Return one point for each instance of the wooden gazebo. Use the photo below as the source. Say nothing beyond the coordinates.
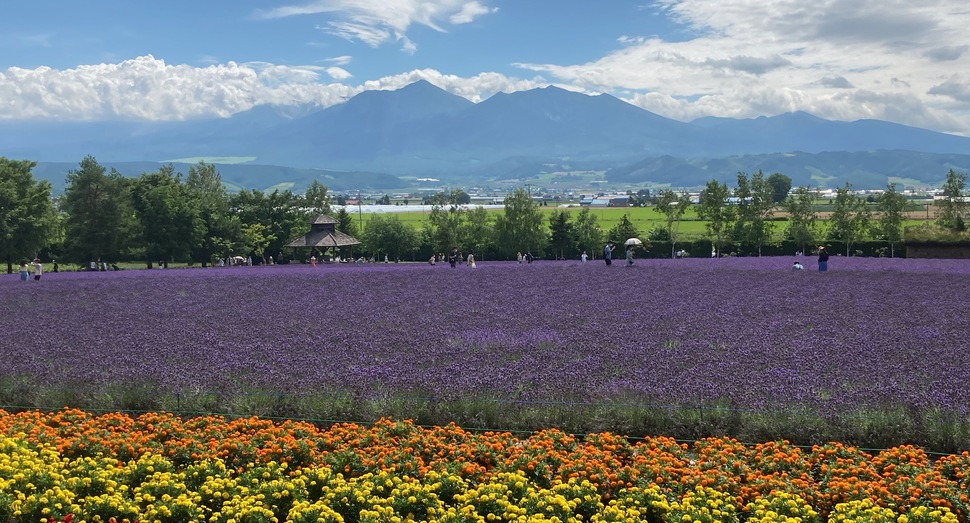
(323, 235)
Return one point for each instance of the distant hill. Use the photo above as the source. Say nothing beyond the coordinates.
(241, 176)
(869, 169)
(377, 137)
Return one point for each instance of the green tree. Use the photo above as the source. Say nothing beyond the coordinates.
(100, 220)
(445, 225)
(754, 210)
(459, 197)
(952, 206)
(800, 207)
(714, 208)
(346, 225)
(389, 235)
(780, 186)
(587, 235)
(623, 230)
(891, 206)
(170, 223)
(221, 230)
(384, 200)
(520, 227)
(561, 239)
(478, 230)
(345, 222)
(278, 212)
(673, 207)
(27, 216)
(316, 201)
(850, 218)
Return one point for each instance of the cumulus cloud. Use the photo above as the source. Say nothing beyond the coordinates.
(802, 55)
(148, 88)
(375, 23)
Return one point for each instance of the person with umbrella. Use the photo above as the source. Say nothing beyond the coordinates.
(631, 244)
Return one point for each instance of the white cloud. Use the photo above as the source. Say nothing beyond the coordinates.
(470, 11)
(340, 60)
(148, 88)
(375, 22)
(835, 58)
(338, 73)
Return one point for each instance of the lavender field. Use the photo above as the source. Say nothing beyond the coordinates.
(876, 351)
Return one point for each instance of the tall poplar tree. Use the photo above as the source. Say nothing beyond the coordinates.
(714, 208)
(891, 207)
(800, 206)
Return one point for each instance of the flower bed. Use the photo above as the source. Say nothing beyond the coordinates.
(159, 467)
(872, 353)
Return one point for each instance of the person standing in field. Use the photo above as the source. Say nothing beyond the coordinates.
(823, 259)
(584, 257)
(38, 269)
(471, 259)
(608, 252)
(24, 271)
(313, 261)
(629, 255)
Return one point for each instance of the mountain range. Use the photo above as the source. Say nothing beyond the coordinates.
(387, 139)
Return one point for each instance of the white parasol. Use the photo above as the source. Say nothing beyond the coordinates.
(633, 241)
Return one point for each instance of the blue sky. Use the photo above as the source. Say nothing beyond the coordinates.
(907, 62)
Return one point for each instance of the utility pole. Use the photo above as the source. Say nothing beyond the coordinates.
(360, 217)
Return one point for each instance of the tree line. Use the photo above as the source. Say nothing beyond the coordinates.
(166, 216)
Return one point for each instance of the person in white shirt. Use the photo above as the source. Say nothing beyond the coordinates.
(797, 266)
(584, 257)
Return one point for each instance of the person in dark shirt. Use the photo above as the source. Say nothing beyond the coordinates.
(823, 259)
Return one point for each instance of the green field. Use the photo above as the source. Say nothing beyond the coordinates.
(644, 218)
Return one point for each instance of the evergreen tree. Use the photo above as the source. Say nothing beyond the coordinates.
(99, 218)
(561, 234)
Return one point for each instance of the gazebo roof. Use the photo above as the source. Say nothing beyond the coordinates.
(323, 218)
(323, 234)
(323, 239)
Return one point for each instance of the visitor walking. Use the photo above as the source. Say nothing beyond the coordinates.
(629, 255)
(823, 259)
(608, 252)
